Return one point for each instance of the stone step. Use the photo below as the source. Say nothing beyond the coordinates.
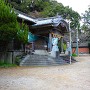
(43, 60)
(41, 64)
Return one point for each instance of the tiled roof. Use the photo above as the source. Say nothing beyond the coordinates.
(54, 21)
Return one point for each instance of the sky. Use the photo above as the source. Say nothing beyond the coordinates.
(77, 5)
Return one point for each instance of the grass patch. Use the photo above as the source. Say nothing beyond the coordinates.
(5, 65)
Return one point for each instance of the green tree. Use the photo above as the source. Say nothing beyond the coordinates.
(48, 8)
(8, 22)
(52, 8)
(84, 27)
(86, 19)
(86, 16)
(10, 29)
(22, 34)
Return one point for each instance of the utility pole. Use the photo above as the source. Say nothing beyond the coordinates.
(70, 40)
(70, 43)
(77, 51)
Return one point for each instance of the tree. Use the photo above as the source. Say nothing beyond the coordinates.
(8, 22)
(10, 30)
(22, 34)
(84, 27)
(9, 27)
(48, 8)
(51, 9)
(86, 16)
(86, 19)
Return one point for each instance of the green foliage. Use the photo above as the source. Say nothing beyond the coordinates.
(86, 19)
(64, 46)
(9, 27)
(8, 22)
(84, 27)
(53, 8)
(74, 55)
(86, 16)
(22, 34)
(8, 31)
(17, 60)
(5, 65)
(48, 8)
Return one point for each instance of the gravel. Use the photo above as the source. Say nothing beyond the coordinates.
(64, 77)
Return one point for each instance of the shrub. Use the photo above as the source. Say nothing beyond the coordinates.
(74, 55)
(17, 60)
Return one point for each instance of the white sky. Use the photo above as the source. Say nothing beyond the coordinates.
(77, 5)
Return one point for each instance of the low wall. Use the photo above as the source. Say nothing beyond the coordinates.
(9, 57)
(82, 50)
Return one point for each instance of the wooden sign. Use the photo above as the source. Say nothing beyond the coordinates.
(56, 35)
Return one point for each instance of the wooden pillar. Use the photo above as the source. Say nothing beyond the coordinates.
(33, 47)
(50, 41)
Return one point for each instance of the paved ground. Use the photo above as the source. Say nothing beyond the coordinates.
(66, 77)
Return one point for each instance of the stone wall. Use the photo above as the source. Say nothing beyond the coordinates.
(9, 57)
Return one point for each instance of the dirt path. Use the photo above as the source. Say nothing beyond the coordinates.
(66, 77)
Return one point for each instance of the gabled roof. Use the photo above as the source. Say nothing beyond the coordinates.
(51, 20)
(54, 21)
(43, 24)
(46, 25)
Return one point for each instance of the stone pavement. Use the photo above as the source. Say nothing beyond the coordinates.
(64, 77)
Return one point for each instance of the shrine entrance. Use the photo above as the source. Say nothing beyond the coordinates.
(46, 30)
(46, 34)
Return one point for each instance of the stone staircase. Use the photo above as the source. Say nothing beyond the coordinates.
(42, 60)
